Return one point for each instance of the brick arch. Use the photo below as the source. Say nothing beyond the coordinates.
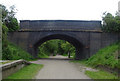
(72, 40)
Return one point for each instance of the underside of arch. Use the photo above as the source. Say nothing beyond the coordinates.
(71, 40)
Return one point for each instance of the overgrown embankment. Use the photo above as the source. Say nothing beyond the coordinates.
(107, 60)
(10, 23)
(107, 57)
(13, 52)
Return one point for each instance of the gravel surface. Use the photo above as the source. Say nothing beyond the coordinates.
(59, 69)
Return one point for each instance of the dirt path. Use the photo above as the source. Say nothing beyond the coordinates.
(59, 69)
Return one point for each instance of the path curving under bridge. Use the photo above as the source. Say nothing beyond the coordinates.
(59, 69)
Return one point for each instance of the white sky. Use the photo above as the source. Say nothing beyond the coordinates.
(62, 9)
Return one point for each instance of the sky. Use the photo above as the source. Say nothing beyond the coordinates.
(62, 9)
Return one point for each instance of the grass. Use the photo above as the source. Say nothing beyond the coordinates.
(32, 60)
(65, 55)
(78, 61)
(14, 52)
(7, 62)
(27, 72)
(43, 56)
(100, 75)
(107, 57)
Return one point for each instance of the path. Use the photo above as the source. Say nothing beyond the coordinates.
(59, 69)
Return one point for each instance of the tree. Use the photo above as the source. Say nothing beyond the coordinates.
(54, 47)
(8, 18)
(67, 47)
(111, 23)
(12, 24)
(9, 23)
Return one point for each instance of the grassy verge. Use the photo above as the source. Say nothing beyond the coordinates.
(107, 57)
(100, 75)
(7, 61)
(43, 56)
(78, 61)
(27, 72)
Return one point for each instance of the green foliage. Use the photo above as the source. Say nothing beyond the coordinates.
(4, 12)
(107, 56)
(111, 23)
(100, 75)
(27, 72)
(8, 18)
(12, 24)
(4, 39)
(67, 47)
(13, 52)
(4, 33)
(43, 53)
(53, 47)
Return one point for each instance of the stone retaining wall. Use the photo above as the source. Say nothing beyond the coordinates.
(10, 68)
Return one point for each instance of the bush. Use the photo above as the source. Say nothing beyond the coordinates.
(13, 52)
(13, 24)
(53, 47)
(111, 23)
(107, 56)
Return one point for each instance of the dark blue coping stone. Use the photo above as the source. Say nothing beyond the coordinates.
(61, 20)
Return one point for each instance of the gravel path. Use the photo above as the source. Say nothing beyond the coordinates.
(59, 69)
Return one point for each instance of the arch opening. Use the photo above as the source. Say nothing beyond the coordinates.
(78, 46)
(57, 49)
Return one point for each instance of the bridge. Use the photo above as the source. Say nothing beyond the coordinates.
(86, 36)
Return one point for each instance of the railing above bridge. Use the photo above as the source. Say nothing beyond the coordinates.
(66, 25)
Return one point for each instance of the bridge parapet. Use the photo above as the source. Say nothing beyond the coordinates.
(60, 25)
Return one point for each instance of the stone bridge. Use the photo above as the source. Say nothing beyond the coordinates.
(86, 36)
